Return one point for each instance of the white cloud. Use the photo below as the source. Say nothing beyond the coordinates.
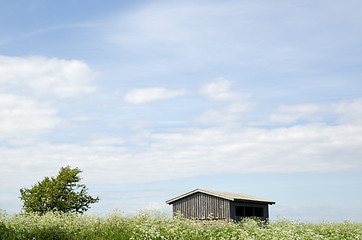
(193, 152)
(346, 111)
(219, 90)
(350, 111)
(145, 95)
(26, 86)
(293, 113)
(106, 141)
(62, 78)
(23, 116)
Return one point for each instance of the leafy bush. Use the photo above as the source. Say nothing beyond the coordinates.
(156, 225)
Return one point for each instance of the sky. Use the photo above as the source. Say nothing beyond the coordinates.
(152, 99)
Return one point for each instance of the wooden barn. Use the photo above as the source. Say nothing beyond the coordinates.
(201, 204)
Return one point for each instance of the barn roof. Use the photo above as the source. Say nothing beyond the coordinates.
(226, 195)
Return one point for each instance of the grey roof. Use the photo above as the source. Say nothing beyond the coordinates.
(226, 195)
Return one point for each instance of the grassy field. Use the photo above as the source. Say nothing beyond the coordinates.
(155, 225)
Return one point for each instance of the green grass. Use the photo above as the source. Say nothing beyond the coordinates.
(155, 225)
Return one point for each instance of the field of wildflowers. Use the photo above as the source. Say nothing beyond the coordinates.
(155, 225)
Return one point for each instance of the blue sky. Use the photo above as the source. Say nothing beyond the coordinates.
(152, 99)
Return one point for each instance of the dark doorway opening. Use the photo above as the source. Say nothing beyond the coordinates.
(259, 212)
(249, 211)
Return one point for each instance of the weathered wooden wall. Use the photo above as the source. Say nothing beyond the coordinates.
(201, 206)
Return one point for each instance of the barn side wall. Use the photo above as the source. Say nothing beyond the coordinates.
(201, 206)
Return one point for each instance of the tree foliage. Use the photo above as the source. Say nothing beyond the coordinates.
(61, 193)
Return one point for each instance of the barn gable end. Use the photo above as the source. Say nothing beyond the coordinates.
(200, 206)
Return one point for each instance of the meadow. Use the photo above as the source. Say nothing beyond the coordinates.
(156, 225)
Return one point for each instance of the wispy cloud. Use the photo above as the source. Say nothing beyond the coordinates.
(350, 111)
(237, 104)
(145, 95)
(291, 113)
(190, 35)
(219, 90)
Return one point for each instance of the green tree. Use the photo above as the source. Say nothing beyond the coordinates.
(61, 193)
